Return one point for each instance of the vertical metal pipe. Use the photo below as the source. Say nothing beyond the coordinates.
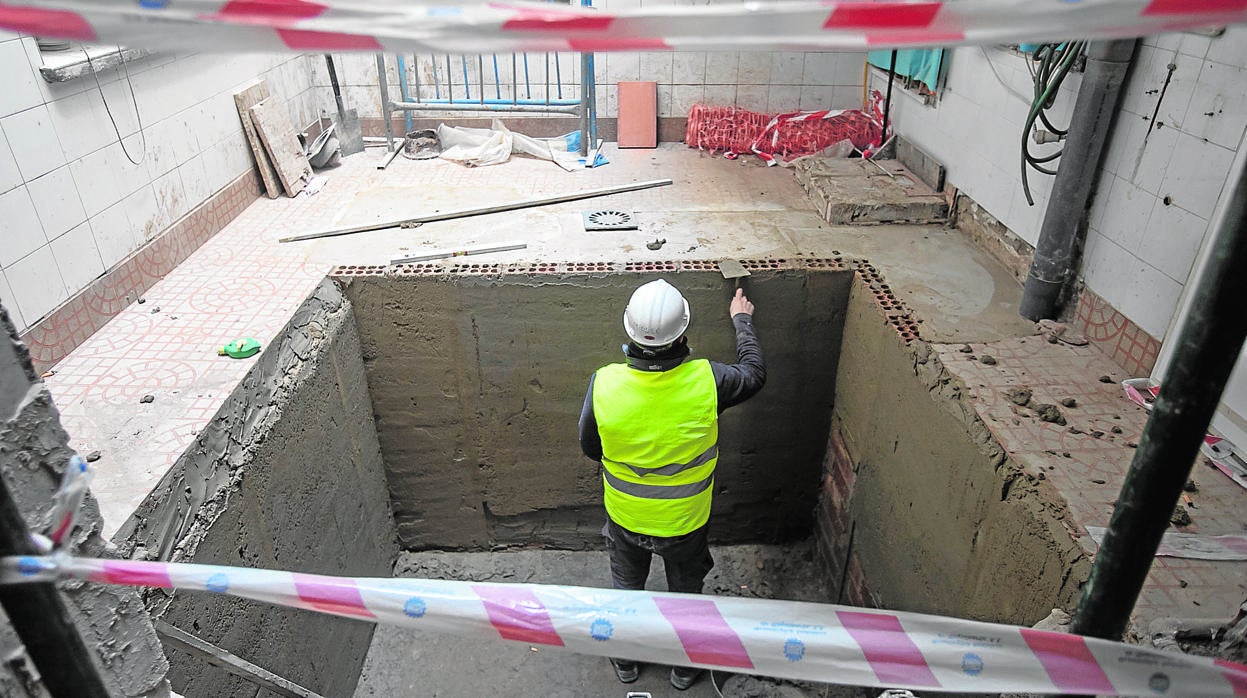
(1054, 265)
(497, 80)
(887, 101)
(480, 75)
(528, 87)
(547, 90)
(515, 77)
(558, 74)
(402, 88)
(39, 616)
(1208, 344)
(437, 83)
(385, 102)
(415, 74)
(467, 83)
(450, 81)
(586, 60)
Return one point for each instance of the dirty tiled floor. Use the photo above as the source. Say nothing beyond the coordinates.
(243, 282)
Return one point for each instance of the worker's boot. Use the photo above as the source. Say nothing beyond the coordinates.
(682, 677)
(626, 670)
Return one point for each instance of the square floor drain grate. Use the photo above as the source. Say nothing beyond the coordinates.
(609, 219)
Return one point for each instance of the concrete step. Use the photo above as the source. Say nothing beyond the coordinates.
(853, 191)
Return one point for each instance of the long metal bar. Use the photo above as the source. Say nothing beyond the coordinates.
(558, 75)
(437, 83)
(402, 87)
(498, 208)
(42, 621)
(386, 107)
(450, 81)
(231, 663)
(474, 106)
(586, 66)
(1208, 345)
(415, 74)
(547, 90)
(515, 76)
(461, 252)
(497, 79)
(467, 83)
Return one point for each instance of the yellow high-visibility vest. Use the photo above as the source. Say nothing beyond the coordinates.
(660, 444)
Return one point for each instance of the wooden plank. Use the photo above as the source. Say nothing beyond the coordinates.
(231, 663)
(282, 146)
(249, 96)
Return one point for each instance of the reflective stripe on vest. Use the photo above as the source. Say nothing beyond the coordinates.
(659, 435)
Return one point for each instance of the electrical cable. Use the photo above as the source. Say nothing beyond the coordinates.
(138, 117)
(1051, 64)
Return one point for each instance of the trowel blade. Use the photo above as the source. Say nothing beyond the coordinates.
(732, 269)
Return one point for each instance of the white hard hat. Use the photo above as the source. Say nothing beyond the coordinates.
(656, 315)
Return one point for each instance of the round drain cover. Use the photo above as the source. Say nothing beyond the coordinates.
(608, 217)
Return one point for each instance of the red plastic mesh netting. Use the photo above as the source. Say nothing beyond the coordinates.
(785, 137)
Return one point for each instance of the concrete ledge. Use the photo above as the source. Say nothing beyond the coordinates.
(856, 191)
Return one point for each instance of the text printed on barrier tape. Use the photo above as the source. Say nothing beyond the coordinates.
(785, 639)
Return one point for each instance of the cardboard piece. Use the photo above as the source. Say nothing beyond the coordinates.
(282, 146)
(249, 96)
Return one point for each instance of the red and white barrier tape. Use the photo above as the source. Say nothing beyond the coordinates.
(787, 639)
(390, 26)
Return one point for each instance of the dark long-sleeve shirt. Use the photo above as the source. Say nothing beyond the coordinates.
(734, 383)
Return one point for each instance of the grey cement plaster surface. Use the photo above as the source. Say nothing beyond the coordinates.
(288, 476)
(945, 522)
(113, 623)
(408, 662)
(477, 385)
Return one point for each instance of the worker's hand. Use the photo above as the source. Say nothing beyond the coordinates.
(741, 304)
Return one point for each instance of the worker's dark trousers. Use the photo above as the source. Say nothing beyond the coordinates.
(686, 558)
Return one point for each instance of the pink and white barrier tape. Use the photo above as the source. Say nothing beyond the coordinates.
(1190, 545)
(378, 25)
(787, 639)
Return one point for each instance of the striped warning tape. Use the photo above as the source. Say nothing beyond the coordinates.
(786, 639)
(353, 25)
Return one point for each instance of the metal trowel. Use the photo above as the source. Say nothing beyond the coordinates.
(732, 269)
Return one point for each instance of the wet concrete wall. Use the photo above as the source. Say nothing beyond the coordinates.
(287, 476)
(922, 504)
(477, 384)
(112, 621)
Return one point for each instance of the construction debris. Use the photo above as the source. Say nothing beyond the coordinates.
(463, 252)
(483, 210)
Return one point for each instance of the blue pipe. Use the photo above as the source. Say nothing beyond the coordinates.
(522, 102)
(402, 86)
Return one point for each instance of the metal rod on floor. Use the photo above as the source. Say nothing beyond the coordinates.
(39, 616)
(1208, 344)
(231, 663)
(499, 208)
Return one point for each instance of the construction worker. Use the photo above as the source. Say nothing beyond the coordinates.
(653, 424)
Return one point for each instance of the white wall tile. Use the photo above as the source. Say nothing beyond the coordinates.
(683, 97)
(656, 67)
(624, 67)
(10, 304)
(787, 68)
(81, 124)
(753, 68)
(77, 257)
(720, 95)
(19, 90)
(815, 97)
(1126, 212)
(171, 197)
(689, 68)
(144, 213)
(37, 284)
(1147, 80)
(1231, 47)
(107, 175)
(1125, 146)
(115, 236)
(32, 138)
(10, 176)
(783, 98)
(1218, 107)
(56, 200)
(20, 229)
(846, 97)
(1149, 173)
(1196, 174)
(721, 67)
(822, 68)
(1172, 240)
(752, 97)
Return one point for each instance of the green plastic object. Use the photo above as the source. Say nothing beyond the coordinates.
(240, 348)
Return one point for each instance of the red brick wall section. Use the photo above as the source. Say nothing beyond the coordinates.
(1125, 342)
(835, 523)
(61, 331)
